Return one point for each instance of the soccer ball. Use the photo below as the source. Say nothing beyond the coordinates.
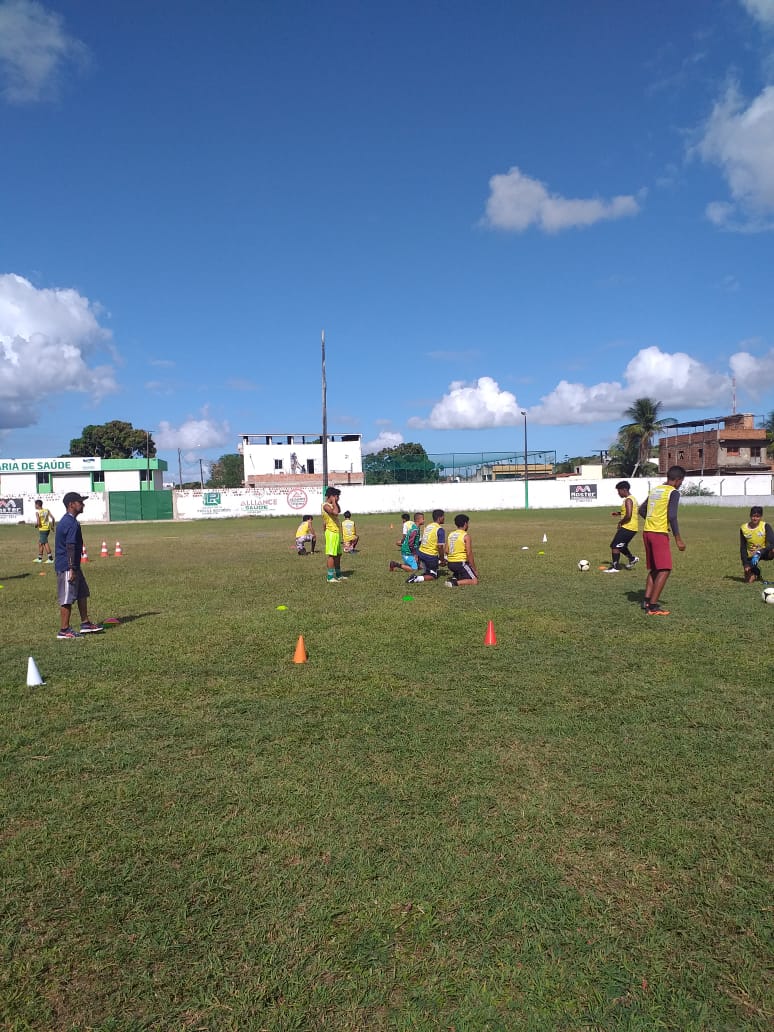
(584, 565)
(768, 595)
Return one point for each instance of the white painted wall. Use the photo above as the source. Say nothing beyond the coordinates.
(259, 459)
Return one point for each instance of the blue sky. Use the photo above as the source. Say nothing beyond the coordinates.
(489, 208)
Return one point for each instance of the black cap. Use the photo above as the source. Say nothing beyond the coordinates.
(73, 496)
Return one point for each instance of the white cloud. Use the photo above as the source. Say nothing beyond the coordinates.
(740, 141)
(35, 49)
(46, 339)
(754, 375)
(471, 407)
(676, 380)
(193, 433)
(386, 439)
(517, 201)
(761, 10)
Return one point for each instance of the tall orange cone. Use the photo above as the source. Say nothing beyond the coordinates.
(104, 553)
(490, 638)
(118, 551)
(84, 554)
(300, 656)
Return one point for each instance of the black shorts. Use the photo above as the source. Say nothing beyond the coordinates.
(430, 563)
(622, 538)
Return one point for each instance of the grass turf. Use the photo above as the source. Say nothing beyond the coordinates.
(569, 830)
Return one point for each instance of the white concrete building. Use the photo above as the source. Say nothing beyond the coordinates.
(298, 458)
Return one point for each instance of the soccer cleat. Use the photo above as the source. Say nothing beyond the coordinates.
(68, 632)
(91, 628)
(645, 604)
(38, 560)
(394, 565)
(612, 569)
(49, 560)
(657, 610)
(452, 582)
(633, 563)
(333, 580)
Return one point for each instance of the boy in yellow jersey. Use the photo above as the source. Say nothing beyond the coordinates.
(628, 525)
(44, 523)
(349, 535)
(459, 554)
(331, 512)
(660, 514)
(431, 549)
(304, 534)
(756, 542)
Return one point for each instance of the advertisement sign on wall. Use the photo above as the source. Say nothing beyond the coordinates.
(583, 492)
(11, 510)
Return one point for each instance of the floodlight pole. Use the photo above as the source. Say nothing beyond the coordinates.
(526, 463)
(147, 459)
(324, 419)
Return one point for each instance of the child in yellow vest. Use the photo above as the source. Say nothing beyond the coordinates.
(756, 542)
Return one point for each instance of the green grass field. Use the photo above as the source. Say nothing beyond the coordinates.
(570, 830)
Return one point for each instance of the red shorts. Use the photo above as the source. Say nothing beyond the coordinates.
(658, 554)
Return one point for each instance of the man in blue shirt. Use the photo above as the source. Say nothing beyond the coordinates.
(71, 585)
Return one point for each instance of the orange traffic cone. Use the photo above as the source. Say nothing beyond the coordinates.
(118, 551)
(84, 554)
(300, 656)
(490, 638)
(104, 553)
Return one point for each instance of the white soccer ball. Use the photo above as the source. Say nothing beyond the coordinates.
(768, 595)
(584, 565)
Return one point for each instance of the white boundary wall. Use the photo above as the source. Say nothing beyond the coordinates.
(567, 493)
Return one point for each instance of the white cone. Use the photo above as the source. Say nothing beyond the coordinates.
(33, 674)
(545, 539)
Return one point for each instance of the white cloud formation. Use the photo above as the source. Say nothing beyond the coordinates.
(386, 439)
(517, 202)
(754, 375)
(761, 10)
(47, 337)
(471, 407)
(740, 141)
(193, 433)
(34, 51)
(677, 380)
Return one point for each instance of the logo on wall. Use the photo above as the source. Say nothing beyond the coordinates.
(297, 499)
(583, 492)
(211, 498)
(11, 508)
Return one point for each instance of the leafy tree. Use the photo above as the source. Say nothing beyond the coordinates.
(404, 464)
(645, 425)
(114, 440)
(623, 460)
(227, 471)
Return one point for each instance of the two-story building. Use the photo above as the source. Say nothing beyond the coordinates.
(298, 459)
(711, 447)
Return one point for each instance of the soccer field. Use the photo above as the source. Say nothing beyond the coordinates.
(568, 830)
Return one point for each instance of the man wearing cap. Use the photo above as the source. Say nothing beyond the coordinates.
(71, 585)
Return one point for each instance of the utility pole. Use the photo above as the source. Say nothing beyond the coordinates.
(324, 419)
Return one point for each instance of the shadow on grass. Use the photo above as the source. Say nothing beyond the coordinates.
(131, 619)
(16, 576)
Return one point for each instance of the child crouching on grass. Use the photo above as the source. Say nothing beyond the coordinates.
(459, 554)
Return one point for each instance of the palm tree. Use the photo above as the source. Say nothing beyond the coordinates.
(644, 426)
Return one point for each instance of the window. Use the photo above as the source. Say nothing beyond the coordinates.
(278, 464)
(732, 449)
(310, 465)
(701, 453)
(681, 454)
(755, 453)
(98, 477)
(43, 479)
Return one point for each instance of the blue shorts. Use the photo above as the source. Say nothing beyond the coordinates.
(409, 560)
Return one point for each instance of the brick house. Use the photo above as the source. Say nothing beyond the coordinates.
(710, 447)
